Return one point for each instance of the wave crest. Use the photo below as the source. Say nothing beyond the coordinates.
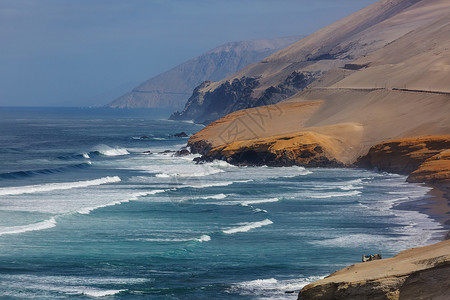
(248, 226)
(30, 189)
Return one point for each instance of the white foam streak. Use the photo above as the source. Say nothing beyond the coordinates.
(100, 293)
(30, 189)
(213, 184)
(218, 197)
(47, 224)
(134, 197)
(248, 226)
(332, 195)
(247, 203)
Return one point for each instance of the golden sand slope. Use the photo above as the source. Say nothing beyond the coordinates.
(354, 120)
(358, 34)
(418, 273)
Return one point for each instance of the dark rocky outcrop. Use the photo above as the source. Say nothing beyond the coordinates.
(228, 97)
(181, 134)
(206, 107)
(182, 152)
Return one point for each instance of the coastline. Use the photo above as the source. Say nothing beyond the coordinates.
(437, 206)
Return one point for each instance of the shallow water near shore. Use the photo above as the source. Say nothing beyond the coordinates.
(84, 213)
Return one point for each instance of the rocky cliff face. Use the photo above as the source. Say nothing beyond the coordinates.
(172, 88)
(425, 159)
(303, 149)
(205, 107)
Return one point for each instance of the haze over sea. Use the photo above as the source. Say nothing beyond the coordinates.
(84, 212)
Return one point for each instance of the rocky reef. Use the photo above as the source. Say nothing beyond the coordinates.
(417, 273)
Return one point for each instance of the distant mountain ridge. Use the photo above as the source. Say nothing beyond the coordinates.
(173, 88)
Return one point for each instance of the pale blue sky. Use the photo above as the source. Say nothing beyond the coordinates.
(71, 52)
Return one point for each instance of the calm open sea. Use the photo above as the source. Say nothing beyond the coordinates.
(84, 213)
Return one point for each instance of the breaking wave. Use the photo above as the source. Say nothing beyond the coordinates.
(109, 151)
(247, 226)
(30, 189)
(50, 223)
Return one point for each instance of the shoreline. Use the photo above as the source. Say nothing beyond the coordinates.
(437, 206)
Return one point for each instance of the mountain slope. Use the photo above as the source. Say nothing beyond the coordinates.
(290, 70)
(172, 88)
(349, 109)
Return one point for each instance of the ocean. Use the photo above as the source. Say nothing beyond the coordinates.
(87, 212)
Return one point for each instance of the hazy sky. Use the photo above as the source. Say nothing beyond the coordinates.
(78, 52)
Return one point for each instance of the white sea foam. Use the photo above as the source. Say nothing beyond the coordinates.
(47, 224)
(210, 184)
(220, 163)
(272, 288)
(162, 175)
(249, 202)
(109, 151)
(29, 189)
(204, 238)
(133, 197)
(194, 173)
(244, 227)
(295, 171)
(85, 155)
(66, 285)
(175, 168)
(354, 241)
(213, 184)
(218, 196)
(332, 195)
(99, 293)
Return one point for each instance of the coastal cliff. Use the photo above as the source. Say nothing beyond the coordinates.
(425, 159)
(418, 273)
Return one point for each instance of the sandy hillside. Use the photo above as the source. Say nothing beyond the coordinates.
(418, 273)
(342, 105)
(360, 33)
(342, 47)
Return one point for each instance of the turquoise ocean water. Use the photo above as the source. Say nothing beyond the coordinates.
(85, 213)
